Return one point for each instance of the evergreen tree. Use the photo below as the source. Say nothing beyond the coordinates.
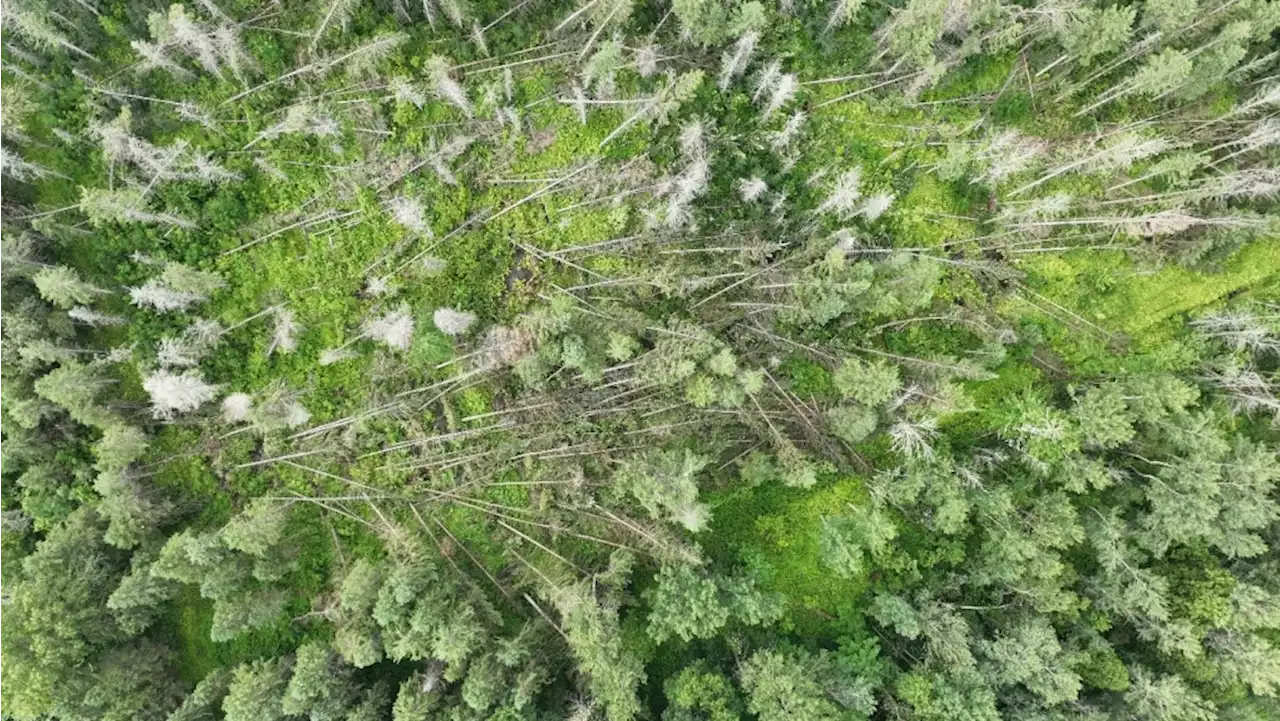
(57, 616)
(321, 686)
(63, 287)
(139, 599)
(592, 631)
(781, 686)
(256, 691)
(698, 693)
(664, 484)
(257, 530)
(205, 700)
(132, 683)
(685, 604)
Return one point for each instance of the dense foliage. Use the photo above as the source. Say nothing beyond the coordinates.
(698, 361)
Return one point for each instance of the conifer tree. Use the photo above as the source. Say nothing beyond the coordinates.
(63, 287)
(256, 691)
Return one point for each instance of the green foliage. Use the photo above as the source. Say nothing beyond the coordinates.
(1168, 15)
(530, 297)
(244, 597)
(256, 691)
(132, 682)
(120, 445)
(691, 605)
(852, 423)
(205, 699)
(58, 614)
(685, 605)
(848, 540)
(138, 599)
(698, 692)
(74, 387)
(871, 384)
(1097, 31)
(1030, 654)
(320, 687)
(592, 631)
(664, 483)
(62, 287)
(1165, 698)
(258, 529)
(711, 22)
(1104, 417)
(782, 686)
(422, 614)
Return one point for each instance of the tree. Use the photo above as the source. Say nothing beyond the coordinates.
(912, 32)
(1165, 698)
(138, 600)
(205, 699)
(256, 691)
(1248, 659)
(418, 697)
(590, 625)
(947, 695)
(698, 693)
(57, 615)
(258, 529)
(173, 393)
(685, 604)
(132, 509)
(484, 684)
(244, 596)
(781, 686)
(453, 322)
(374, 704)
(321, 686)
(186, 554)
(710, 22)
(602, 67)
(1030, 654)
(63, 287)
(358, 638)
(844, 195)
(946, 634)
(1168, 16)
(394, 329)
(235, 613)
(732, 64)
(119, 446)
(664, 484)
(178, 287)
(75, 387)
(1091, 32)
(35, 27)
(155, 295)
(423, 614)
(284, 335)
(445, 87)
(871, 383)
(1164, 71)
(852, 423)
(123, 205)
(849, 541)
(132, 683)
(689, 603)
(51, 492)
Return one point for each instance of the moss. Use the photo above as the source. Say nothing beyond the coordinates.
(1103, 669)
(808, 378)
(777, 532)
(1102, 314)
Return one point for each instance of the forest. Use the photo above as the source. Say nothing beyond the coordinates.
(640, 360)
